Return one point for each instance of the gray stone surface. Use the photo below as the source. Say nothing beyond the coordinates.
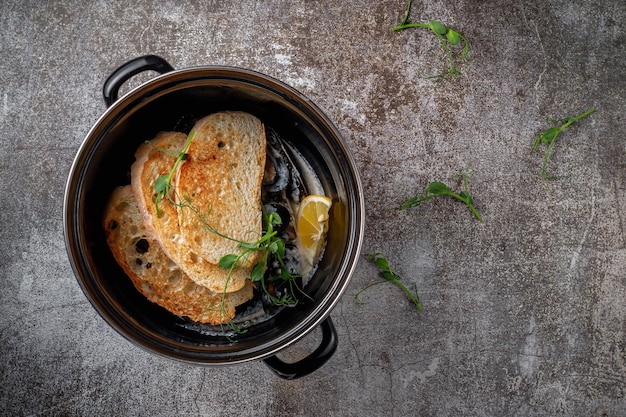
(524, 313)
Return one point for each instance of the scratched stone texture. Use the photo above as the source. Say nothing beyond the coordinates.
(524, 312)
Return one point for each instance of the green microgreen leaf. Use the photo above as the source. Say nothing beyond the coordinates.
(161, 184)
(550, 134)
(436, 189)
(438, 27)
(382, 263)
(453, 37)
(278, 247)
(467, 197)
(275, 219)
(446, 36)
(258, 272)
(388, 276)
(549, 137)
(228, 262)
(285, 274)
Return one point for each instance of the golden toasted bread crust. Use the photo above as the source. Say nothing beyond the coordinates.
(222, 179)
(156, 276)
(153, 160)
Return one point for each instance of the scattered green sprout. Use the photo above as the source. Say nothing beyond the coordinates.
(388, 276)
(549, 136)
(437, 188)
(163, 184)
(446, 36)
(270, 246)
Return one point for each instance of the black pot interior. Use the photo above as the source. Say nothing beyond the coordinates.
(174, 102)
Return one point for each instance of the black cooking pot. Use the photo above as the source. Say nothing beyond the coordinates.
(173, 101)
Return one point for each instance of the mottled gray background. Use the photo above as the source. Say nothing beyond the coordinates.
(524, 313)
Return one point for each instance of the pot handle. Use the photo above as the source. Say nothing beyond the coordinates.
(131, 68)
(312, 362)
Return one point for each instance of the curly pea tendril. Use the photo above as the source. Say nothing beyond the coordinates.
(446, 36)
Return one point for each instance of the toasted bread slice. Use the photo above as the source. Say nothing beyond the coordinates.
(154, 274)
(222, 178)
(153, 160)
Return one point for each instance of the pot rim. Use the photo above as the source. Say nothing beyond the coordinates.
(322, 309)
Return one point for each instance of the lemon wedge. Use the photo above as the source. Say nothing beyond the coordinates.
(311, 224)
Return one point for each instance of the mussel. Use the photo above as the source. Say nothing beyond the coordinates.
(281, 179)
(283, 212)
